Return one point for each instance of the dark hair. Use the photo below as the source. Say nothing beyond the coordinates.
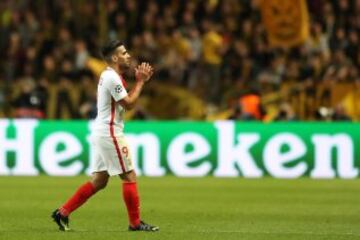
(108, 49)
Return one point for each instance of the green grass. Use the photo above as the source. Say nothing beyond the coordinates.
(187, 208)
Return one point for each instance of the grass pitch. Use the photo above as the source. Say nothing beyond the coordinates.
(187, 208)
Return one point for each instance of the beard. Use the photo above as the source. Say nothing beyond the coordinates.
(124, 66)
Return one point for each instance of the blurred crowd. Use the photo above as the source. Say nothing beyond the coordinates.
(216, 49)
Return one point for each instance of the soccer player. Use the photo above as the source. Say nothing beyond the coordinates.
(112, 156)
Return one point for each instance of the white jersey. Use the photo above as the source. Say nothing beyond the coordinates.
(109, 121)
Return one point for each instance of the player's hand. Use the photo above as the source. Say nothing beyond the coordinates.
(143, 72)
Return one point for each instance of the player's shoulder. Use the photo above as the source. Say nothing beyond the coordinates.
(109, 75)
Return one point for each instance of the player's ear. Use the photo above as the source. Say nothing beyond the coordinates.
(114, 58)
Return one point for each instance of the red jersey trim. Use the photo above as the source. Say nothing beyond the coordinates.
(123, 81)
(112, 134)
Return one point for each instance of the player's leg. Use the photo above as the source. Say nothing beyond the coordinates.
(99, 180)
(131, 197)
(82, 194)
(132, 202)
(119, 163)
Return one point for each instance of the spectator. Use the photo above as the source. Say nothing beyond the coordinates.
(81, 54)
(31, 102)
(251, 106)
(87, 101)
(340, 114)
(212, 59)
(64, 101)
(286, 113)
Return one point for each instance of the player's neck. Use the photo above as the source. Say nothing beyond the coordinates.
(116, 68)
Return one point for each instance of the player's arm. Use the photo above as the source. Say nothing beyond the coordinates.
(143, 73)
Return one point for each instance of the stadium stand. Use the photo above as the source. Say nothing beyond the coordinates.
(208, 56)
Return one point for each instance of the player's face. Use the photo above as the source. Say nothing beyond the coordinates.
(122, 57)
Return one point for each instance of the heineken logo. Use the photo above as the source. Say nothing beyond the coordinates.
(221, 149)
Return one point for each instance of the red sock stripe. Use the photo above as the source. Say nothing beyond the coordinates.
(112, 134)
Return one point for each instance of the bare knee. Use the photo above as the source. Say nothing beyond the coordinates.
(99, 185)
(100, 180)
(128, 176)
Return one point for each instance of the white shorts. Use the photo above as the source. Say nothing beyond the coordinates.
(111, 155)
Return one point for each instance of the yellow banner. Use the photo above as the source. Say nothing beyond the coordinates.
(286, 22)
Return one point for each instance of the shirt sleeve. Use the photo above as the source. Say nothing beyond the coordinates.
(117, 89)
